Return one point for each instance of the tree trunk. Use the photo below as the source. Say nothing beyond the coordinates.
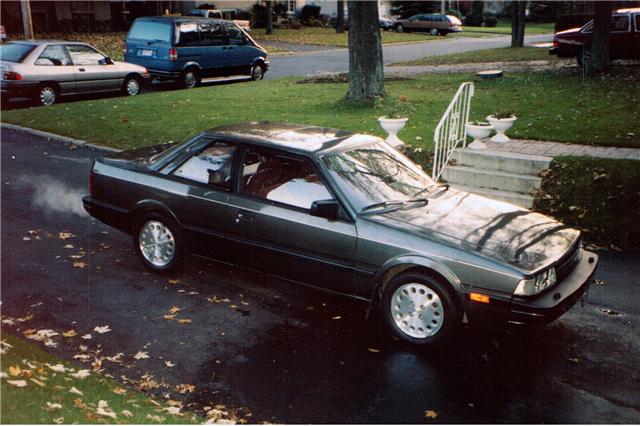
(366, 74)
(599, 60)
(340, 18)
(27, 24)
(518, 16)
(269, 17)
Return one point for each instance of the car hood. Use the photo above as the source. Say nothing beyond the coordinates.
(569, 31)
(527, 240)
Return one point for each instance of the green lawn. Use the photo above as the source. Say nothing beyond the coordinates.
(504, 27)
(51, 393)
(600, 196)
(502, 54)
(549, 106)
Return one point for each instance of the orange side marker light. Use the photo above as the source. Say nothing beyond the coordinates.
(477, 297)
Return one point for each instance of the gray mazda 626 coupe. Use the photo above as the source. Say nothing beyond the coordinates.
(345, 213)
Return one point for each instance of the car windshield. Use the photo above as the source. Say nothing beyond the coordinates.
(15, 52)
(374, 175)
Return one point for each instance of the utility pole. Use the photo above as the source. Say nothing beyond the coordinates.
(443, 7)
(27, 25)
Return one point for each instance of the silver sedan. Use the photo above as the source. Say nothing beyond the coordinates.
(48, 69)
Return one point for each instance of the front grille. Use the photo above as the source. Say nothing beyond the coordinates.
(568, 262)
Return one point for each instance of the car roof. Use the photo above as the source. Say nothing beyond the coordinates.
(628, 10)
(298, 137)
(48, 41)
(179, 19)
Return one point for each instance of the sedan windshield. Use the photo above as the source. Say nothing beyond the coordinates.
(15, 52)
(377, 175)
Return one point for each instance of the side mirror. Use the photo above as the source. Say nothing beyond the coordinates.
(327, 209)
(106, 61)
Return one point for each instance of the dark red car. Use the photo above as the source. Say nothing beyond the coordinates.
(624, 41)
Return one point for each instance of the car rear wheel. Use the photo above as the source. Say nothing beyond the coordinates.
(158, 243)
(419, 309)
(47, 94)
(131, 86)
(257, 72)
(434, 32)
(399, 28)
(190, 78)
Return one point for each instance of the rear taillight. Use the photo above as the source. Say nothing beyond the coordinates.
(173, 54)
(10, 75)
(124, 49)
(450, 24)
(91, 182)
(555, 43)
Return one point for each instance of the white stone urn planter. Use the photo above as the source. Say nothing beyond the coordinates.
(392, 126)
(478, 132)
(501, 125)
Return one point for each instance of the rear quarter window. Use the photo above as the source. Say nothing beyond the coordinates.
(15, 52)
(150, 30)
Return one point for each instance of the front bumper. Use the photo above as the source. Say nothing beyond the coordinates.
(540, 309)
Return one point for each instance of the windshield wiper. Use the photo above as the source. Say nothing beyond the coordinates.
(398, 203)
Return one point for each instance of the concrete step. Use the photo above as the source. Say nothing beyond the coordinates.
(510, 162)
(521, 200)
(491, 179)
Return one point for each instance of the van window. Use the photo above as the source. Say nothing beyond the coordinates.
(188, 35)
(620, 23)
(235, 35)
(212, 34)
(149, 30)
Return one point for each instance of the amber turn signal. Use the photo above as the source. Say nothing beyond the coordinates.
(477, 297)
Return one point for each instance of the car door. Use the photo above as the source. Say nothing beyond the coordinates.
(241, 52)
(278, 234)
(54, 64)
(213, 41)
(204, 176)
(93, 71)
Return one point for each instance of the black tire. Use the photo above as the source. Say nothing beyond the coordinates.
(434, 32)
(140, 234)
(131, 86)
(399, 28)
(47, 94)
(190, 78)
(257, 72)
(446, 316)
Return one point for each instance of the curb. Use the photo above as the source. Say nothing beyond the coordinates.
(64, 139)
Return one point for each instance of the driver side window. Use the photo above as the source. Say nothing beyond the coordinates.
(211, 165)
(84, 55)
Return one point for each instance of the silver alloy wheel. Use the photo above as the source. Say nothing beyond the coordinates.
(133, 87)
(190, 79)
(434, 32)
(257, 73)
(47, 95)
(157, 244)
(417, 310)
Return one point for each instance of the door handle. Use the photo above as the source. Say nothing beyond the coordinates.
(81, 69)
(244, 216)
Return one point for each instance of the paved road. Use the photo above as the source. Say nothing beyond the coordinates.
(337, 60)
(289, 353)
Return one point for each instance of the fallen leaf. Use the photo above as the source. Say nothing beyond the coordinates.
(374, 350)
(184, 321)
(81, 374)
(53, 406)
(86, 337)
(69, 333)
(15, 371)
(141, 355)
(169, 364)
(126, 413)
(82, 357)
(172, 410)
(174, 282)
(119, 391)
(79, 265)
(185, 388)
(154, 418)
(37, 382)
(65, 235)
(174, 310)
(58, 368)
(169, 317)
(40, 335)
(58, 420)
(115, 358)
(76, 391)
(68, 246)
(336, 317)
(430, 414)
(102, 330)
(104, 410)
(17, 383)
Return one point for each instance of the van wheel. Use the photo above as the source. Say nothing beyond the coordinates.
(434, 32)
(419, 309)
(190, 78)
(257, 72)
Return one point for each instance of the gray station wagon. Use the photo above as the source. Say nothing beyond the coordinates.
(47, 69)
(345, 213)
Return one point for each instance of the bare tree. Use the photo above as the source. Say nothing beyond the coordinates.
(340, 17)
(599, 60)
(366, 73)
(269, 17)
(518, 16)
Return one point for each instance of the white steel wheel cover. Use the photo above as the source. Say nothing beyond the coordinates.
(417, 310)
(47, 95)
(133, 87)
(157, 243)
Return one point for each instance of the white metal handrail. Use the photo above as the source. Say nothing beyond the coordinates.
(451, 131)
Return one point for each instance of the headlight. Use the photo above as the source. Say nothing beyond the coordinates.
(536, 284)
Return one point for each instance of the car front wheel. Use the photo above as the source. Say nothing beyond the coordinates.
(434, 32)
(158, 243)
(47, 95)
(257, 72)
(399, 28)
(419, 309)
(190, 78)
(131, 86)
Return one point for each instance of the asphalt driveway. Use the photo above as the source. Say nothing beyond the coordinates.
(288, 353)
